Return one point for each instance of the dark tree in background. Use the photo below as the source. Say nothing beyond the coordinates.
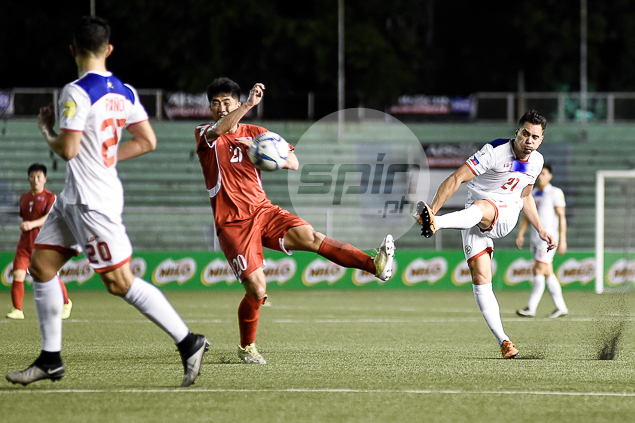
(392, 48)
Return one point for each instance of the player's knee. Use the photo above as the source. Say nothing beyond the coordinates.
(257, 291)
(480, 279)
(39, 272)
(316, 238)
(115, 286)
(488, 211)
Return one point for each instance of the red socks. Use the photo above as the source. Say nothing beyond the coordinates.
(248, 312)
(346, 255)
(64, 291)
(17, 294)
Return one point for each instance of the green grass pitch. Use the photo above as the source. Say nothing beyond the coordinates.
(333, 356)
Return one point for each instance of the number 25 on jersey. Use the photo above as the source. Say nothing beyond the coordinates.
(115, 124)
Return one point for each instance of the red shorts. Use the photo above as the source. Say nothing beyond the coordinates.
(242, 241)
(22, 258)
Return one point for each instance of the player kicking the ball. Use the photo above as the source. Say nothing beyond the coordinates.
(87, 215)
(499, 177)
(246, 220)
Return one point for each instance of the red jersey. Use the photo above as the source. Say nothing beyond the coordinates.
(32, 207)
(232, 181)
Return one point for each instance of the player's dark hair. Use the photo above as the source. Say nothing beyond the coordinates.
(36, 167)
(90, 34)
(223, 86)
(534, 118)
(548, 167)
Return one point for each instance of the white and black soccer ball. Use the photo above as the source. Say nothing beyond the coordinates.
(269, 151)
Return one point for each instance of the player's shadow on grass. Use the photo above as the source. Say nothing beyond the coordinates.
(221, 359)
(530, 357)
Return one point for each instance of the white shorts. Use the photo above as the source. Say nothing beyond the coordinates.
(540, 253)
(477, 241)
(100, 236)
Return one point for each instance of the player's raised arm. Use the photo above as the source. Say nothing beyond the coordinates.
(143, 141)
(66, 143)
(450, 186)
(531, 213)
(231, 119)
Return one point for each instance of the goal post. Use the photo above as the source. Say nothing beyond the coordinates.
(602, 176)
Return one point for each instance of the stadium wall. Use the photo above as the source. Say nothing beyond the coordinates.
(415, 270)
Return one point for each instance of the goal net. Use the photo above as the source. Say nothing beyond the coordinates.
(615, 227)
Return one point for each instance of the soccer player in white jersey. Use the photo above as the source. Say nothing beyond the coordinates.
(551, 208)
(499, 178)
(87, 215)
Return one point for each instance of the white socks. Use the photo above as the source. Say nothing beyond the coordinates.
(536, 293)
(553, 285)
(151, 302)
(488, 304)
(49, 302)
(462, 219)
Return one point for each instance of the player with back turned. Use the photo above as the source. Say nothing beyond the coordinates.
(499, 179)
(87, 215)
(244, 218)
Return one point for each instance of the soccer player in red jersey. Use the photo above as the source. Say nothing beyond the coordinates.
(245, 220)
(34, 209)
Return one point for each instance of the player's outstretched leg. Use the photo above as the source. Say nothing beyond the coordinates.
(384, 258)
(192, 358)
(305, 238)
(425, 217)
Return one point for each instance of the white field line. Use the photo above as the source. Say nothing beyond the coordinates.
(312, 391)
(477, 318)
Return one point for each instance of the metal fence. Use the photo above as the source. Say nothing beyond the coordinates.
(606, 107)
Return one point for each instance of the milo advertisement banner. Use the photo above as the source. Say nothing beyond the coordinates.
(414, 269)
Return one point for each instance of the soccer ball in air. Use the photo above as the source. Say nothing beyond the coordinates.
(269, 151)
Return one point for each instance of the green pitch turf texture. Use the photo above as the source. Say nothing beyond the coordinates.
(333, 356)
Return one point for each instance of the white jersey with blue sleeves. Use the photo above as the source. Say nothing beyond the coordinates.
(499, 174)
(99, 105)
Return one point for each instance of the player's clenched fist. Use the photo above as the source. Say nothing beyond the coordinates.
(255, 94)
(46, 118)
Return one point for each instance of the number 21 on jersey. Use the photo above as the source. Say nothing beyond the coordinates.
(510, 184)
(237, 155)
